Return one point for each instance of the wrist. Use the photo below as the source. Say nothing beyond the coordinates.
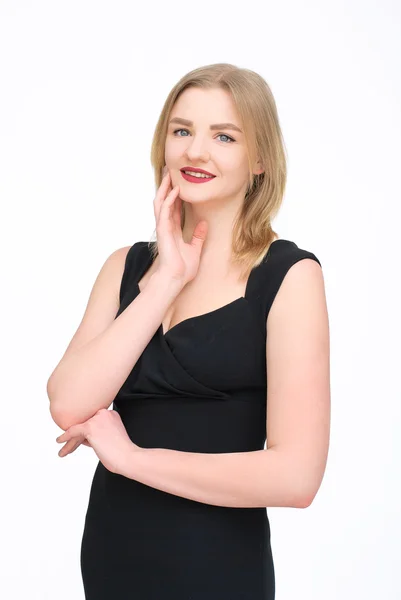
(129, 464)
(166, 282)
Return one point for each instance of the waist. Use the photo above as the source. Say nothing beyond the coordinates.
(194, 424)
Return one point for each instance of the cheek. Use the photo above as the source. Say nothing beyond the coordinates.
(235, 166)
(233, 158)
(173, 147)
(170, 153)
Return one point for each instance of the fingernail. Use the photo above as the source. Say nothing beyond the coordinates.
(164, 170)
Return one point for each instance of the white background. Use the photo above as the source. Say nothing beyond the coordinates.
(82, 86)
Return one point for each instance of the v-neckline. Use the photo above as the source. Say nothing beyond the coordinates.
(196, 317)
(238, 300)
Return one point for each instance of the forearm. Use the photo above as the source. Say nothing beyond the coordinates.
(89, 379)
(260, 478)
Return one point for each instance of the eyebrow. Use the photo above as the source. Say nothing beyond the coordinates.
(212, 127)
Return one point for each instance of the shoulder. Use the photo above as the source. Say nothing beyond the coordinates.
(288, 252)
(127, 261)
(121, 257)
(116, 262)
(300, 295)
(299, 281)
(285, 268)
(118, 266)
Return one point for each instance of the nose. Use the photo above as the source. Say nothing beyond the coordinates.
(197, 150)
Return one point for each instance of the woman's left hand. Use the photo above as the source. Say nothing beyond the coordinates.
(106, 434)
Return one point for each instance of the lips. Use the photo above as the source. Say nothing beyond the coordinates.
(195, 170)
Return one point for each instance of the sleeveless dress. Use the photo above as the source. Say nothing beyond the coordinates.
(201, 387)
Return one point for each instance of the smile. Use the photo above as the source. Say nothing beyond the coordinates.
(196, 177)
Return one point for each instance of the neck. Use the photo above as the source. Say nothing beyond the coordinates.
(220, 219)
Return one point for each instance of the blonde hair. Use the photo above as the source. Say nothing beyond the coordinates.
(254, 101)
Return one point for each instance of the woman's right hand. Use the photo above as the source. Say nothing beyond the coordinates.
(179, 259)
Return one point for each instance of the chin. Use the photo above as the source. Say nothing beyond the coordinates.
(204, 199)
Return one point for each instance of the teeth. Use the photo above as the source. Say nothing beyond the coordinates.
(200, 175)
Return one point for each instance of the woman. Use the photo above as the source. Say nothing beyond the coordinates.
(210, 342)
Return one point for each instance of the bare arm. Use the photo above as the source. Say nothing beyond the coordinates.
(92, 371)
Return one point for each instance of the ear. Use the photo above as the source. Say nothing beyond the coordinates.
(258, 168)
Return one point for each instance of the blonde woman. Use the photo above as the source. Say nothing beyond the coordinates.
(212, 344)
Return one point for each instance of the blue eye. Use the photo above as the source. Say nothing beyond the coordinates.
(227, 136)
(177, 130)
(219, 135)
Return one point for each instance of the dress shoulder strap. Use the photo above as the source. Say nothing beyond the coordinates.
(135, 264)
(267, 277)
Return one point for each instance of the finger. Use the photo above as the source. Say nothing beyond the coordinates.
(199, 235)
(161, 194)
(165, 224)
(177, 214)
(73, 431)
(165, 186)
(76, 445)
(165, 209)
(64, 437)
(69, 447)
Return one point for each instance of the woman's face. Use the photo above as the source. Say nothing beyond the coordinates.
(220, 151)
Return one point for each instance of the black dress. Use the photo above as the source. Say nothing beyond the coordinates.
(201, 387)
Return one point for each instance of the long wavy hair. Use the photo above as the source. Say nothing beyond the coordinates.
(252, 231)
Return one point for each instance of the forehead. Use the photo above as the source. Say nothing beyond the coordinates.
(210, 105)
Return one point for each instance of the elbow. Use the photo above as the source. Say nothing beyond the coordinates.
(298, 489)
(304, 502)
(305, 480)
(312, 482)
(62, 416)
(58, 415)
(63, 420)
(295, 499)
(306, 497)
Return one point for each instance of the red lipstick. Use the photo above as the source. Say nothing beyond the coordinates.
(193, 178)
